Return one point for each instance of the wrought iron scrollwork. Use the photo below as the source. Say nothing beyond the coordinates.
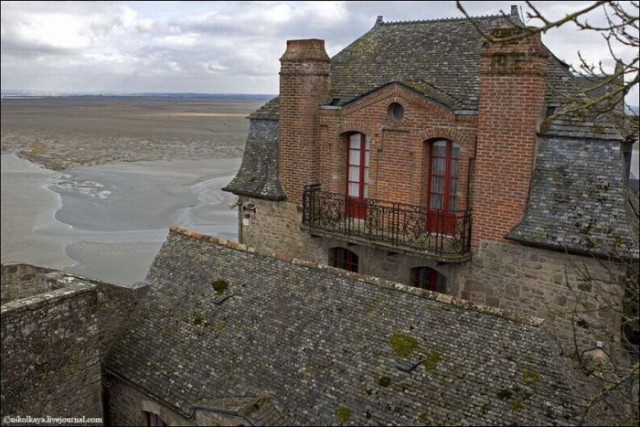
(398, 224)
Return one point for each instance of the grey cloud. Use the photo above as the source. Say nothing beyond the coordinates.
(201, 46)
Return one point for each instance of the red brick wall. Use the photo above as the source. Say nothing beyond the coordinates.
(304, 84)
(512, 88)
(399, 150)
(494, 176)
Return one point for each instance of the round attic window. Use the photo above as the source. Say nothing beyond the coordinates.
(396, 111)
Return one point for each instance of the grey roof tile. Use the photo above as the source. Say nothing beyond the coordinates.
(578, 199)
(258, 174)
(318, 342)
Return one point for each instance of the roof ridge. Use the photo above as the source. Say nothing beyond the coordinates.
(424, 21)
(376, 281)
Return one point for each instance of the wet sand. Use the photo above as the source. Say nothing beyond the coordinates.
(60, 132)
(118, 178)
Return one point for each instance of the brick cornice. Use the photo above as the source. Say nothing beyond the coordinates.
(354, 126)
(398, 92)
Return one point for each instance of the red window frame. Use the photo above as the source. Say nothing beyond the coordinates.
(343, 258)
(358, 149)
(428, 278)
(442, 187)
(154, 420)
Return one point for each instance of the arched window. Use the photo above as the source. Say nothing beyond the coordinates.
(357, 174)
(343, 258)
(154, 420)
(443, 185)
(428, 278)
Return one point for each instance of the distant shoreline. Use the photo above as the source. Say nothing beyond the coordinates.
(65, 131)
(211, 96)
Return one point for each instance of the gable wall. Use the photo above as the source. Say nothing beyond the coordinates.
(399, 160)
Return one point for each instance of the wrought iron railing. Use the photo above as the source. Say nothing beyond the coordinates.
(416, 228)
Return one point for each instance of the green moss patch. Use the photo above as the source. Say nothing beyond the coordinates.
(220, 326)
(529, 377)
(343, 414)
(220, 286)
(432, 360)
(197, 319)
(403, 345)
(516, 406)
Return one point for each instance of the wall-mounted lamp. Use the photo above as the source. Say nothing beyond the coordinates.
(249, 207)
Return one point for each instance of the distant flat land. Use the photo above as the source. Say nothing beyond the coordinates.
(59, 132)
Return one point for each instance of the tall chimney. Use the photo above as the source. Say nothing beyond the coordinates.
(512, 89)
(305, 81)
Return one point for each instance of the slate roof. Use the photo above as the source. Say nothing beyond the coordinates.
(578, 200)
(223, 321)
(258, 173)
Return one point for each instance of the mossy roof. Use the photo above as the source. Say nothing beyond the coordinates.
(318, 342)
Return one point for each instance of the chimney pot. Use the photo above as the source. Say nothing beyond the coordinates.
(305, 50)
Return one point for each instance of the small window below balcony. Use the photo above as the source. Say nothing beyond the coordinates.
(154, 420)
(343, 258)
(428, 278)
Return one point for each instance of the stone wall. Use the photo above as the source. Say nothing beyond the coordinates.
(275, 227)
(568, 291)
(389, 265)
(536, 282)
(115, 306)
(51, 354)
(23, 280)
(127, 406)
(53, 341)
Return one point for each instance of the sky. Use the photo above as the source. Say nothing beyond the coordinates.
(217, 47)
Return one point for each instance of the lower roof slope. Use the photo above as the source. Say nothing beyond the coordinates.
(329, 346)
(578, 200)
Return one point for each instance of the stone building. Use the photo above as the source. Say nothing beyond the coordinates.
(412, 156)
(417, 154)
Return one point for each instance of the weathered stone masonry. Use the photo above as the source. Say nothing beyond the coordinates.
(51, 354)
(53, 340)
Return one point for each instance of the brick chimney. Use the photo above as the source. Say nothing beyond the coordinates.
(305, 81)
(512, 89)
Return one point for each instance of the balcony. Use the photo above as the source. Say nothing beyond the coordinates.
(397, 227)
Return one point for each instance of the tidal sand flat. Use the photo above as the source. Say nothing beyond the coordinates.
(61, 132)
(28, 206)
(120, 173)
(108, 222)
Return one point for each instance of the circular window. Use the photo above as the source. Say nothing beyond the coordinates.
(396, 111)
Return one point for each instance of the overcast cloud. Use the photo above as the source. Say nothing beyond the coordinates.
(212, 47)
